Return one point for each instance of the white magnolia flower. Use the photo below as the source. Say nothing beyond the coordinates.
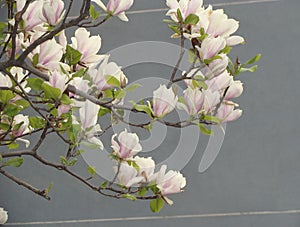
(116, 7)
(3, 216)
(164, 101)
(128, 145)
(87, 45)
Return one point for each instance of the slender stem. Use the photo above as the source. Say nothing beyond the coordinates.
(179, 59)
(42, 193)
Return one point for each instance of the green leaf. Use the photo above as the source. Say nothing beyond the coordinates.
(93, 13)
(174, 28)
(212, 119)
(120, 94)
(191, 19)
(130, 197)
(103, 111)
(1, 158)
(18, 126)
(143, 108)
(15, 162)
(49, 188)
(192, 56)
(142, 192)
(252, 60)
(35, 59)
(112, 81)
(66, 100)
(72, 162)
(22, 104)
(208, 61)
(63, 160)
(92, 170)
(226, 50)
(2, 27)
(35, 83)
(6, 96)
(104, 184)
(37, 122)
(4, 126)
(51, 92)
(205, 130)
(148, 127)
(157, 204)
(13, 146)
(252, 69)
(198, 84)
(168, 21)
(132, 87)
(79, 73)
(11, 110)
(72, 55)
(179, 15)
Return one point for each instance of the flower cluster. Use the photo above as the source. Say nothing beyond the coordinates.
(210, 81)
(138, 171)
(71, 86)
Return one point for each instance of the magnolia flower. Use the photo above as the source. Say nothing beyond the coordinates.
(24, 122)
(62, 108)
(19, 44)
(221, 25)
(169, 183)
(194, 100)
(210, 47)
(52, 11)
(226, 112)
(62, 40)
(3, 216)
(80, 84)
(32, 16)
(217, 66)
(107, 69)
(5, 81)
(220, 82)
(58, 80)
(87, 46)
(88, 115)
(20, 126)
(211, 99)
(186, 8)
(49, 55)
(235, 90)
(128, 145)
(127, 175)
(192, 74)
(164, 101)
(116, 7)
(20, 75)
(146, 167)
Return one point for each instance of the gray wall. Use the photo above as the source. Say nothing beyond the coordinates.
(258, 167)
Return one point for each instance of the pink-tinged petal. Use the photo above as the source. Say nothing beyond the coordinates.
(146, 167)
(227, 113)
(210, 47)
(63, 109)
(235, 90)
(235, 40)
(219, 82)
(128, 144)
(88, 114)
(164, 101)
